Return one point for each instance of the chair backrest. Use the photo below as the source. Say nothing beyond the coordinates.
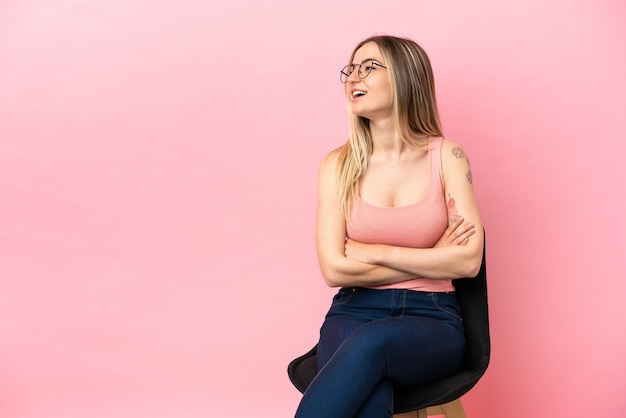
(472, 297)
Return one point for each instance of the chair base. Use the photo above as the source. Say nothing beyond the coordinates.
(452, 409)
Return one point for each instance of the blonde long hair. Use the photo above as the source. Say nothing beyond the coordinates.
(414, 109)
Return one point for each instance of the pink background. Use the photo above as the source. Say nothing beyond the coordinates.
(157, 189)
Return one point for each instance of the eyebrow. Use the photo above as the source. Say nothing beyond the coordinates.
(368, 59)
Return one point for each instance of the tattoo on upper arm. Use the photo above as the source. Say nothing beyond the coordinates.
(458, 152)
(453, 214)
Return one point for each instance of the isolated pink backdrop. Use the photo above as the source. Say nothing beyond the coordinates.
(157, 191)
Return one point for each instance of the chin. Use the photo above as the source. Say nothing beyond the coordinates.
(356, 111)
(369, 115)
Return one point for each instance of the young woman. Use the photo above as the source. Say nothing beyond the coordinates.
(397, 220)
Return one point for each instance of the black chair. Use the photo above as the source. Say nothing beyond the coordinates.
(472, 296)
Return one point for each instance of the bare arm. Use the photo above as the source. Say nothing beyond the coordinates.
(458, 253)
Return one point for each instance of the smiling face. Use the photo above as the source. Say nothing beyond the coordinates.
(370, 97)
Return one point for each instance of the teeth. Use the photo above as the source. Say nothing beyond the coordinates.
(358, 93)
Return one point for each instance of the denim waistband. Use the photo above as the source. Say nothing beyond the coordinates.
(371, 304)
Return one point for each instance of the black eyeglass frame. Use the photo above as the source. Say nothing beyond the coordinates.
(349, 69)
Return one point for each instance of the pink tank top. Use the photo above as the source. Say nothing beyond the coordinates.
(418, 225)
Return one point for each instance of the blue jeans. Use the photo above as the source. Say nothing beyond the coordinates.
(372, 340)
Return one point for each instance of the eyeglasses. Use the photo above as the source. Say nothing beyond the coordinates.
(365, 68)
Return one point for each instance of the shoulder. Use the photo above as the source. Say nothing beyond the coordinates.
(454, 161)
(328, 170)
(452, 149)
(452, 154)
(328, 179)
(331, 161)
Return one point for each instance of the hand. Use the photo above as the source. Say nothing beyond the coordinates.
(360, 251)
(457, 233)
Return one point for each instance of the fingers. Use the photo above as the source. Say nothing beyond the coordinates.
(464, 234)
(458, 232)
(455, 227)
(452, 231)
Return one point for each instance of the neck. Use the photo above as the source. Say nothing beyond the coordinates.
(386, 138)
(388, 143)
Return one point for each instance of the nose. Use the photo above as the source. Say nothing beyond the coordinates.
(354, 75)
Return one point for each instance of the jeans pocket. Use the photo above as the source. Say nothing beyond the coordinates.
(343, 296)
(446, 303)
